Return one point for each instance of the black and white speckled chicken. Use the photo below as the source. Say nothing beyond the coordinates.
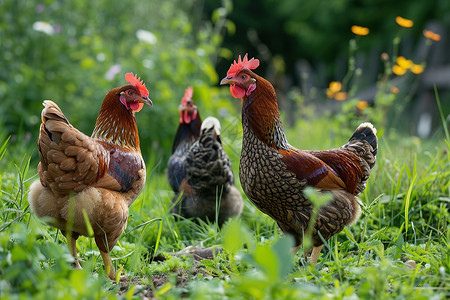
(209, 185)
(187, 133)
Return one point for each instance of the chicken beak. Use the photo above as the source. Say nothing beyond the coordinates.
(186, 105)
(146, 100)
(227, 80)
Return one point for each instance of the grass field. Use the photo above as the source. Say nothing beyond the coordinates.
(399, 248)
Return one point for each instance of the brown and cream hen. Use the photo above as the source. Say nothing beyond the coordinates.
(274, 174)
(208, 192)
(95, 177)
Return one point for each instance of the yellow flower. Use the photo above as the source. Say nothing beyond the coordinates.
(431, 35)
(359, 30)
(394, 90)
(398, 70)
(362, 105)
(335, 86)
(330, 94)
(404, 22)
(334, 91)
(417, 69)
(404, 63)
(341, 96)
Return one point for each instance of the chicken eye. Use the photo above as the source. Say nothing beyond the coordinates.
(130, 93)
(244, 77)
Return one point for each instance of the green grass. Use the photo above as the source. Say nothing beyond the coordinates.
(398, 249)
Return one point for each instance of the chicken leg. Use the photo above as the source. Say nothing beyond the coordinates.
(71, 238)
(294, 250)
(315, 254)
(109, 268)
(72, 243)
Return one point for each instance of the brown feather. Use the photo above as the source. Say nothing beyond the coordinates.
(273, 173)
(103, 174)
(69, 164)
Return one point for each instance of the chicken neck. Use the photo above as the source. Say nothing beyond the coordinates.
(115, 124)
(260, 113)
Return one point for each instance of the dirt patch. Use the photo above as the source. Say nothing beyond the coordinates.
(183, 277)
(179, 277)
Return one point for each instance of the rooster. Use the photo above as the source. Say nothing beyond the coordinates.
(274, 174)
(187, 133)
(95, 178)
(208, 189)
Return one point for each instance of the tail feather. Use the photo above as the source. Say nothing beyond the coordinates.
(54, 123)
(207, 164)
(365, 132)
(364, 143)
(52, 111)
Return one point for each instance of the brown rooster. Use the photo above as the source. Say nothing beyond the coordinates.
(273, 173)
(95, 177)
(187, 133)
(208, 192)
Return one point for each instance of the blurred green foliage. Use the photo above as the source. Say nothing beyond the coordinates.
(318, 31)
(74, 52)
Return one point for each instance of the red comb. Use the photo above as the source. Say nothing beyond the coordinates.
(187, 95)
(242, 64)
(136, 81)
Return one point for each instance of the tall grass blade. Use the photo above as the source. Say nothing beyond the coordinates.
(3, 148)
(444, 122)
(408, 202)
(158, 237)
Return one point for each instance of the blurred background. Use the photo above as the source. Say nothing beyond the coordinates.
(74, 52)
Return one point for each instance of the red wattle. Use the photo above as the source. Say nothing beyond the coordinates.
(136, 106)
(237, 91)
(141, 105)
(187, 117)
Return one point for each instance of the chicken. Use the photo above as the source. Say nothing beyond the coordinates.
(274, 174)
(208, 187)
(95, 178)
(187, 133)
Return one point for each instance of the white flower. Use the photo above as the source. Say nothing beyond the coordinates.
(44, 27)
(149, 64)
(146, 36)
(101, 56)
(200, 51)
(112, 72)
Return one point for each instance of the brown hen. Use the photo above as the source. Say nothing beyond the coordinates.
(97, 177)
(274, 174)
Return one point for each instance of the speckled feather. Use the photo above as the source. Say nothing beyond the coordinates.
(273, 173)
(208, 177)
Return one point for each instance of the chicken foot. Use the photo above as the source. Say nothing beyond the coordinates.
(314, 253)
(109, 268)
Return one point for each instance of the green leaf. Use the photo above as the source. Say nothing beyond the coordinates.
(377, 246)
(236, 236)
(3, 148)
